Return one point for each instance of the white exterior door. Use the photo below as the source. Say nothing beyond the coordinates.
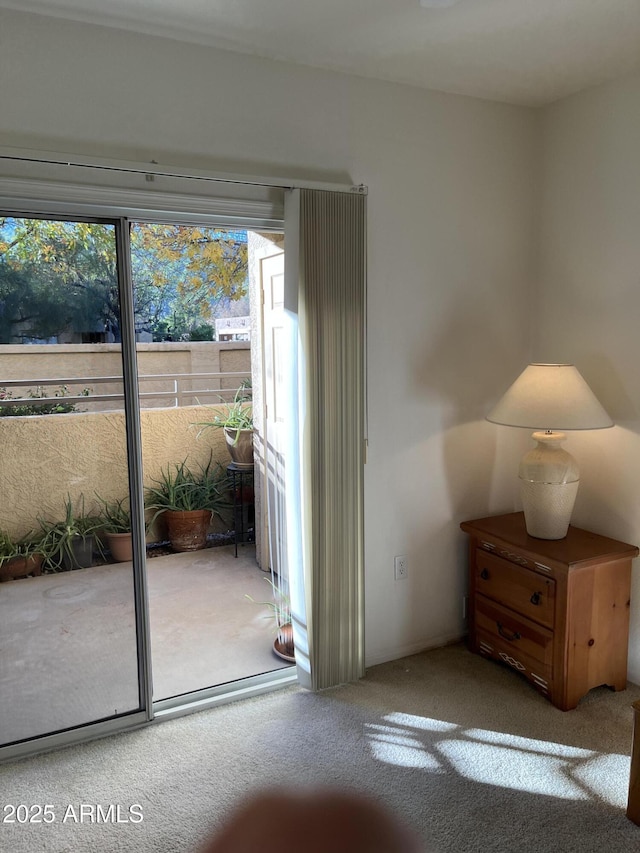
(273, 539)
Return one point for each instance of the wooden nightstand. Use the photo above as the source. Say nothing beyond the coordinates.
(557, 611)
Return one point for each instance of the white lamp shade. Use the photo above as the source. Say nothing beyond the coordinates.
(550, 397)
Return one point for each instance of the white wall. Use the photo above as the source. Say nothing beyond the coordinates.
(450, 246)
(589, 296)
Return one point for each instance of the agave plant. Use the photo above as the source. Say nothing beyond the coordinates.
(187, 499)
(182, 489)
(236, 415)
(61, 540)
(22, 547)
(236, 421)
(280, 611)
(20, 557)
(116, 517)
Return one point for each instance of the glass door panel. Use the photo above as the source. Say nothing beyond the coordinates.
(191, 295)
(67, 609)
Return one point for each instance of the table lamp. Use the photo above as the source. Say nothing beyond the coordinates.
(546, 398)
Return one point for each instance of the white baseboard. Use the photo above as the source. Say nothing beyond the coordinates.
(386, 655)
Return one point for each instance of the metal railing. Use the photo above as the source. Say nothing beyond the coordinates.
(176, 395)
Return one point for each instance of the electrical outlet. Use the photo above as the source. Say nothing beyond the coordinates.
(401, 568)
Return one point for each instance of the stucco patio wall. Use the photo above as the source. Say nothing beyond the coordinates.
(44, 458)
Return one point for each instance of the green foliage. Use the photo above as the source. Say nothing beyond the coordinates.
(236, 415)
(183, 275)
(115, 515)
(59, 537)
(182, 489)
(202, 332)
(244, 393)
(279, 606)
(57, 276)
(23, 547)
(39, 408)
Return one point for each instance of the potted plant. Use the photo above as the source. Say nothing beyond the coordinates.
(280, 611)
(20, 558)
(116, 525)
(187, 500)
(236, 420)
(70, 544)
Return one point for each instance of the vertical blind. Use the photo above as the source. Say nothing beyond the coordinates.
(330, 267)
(325, 244)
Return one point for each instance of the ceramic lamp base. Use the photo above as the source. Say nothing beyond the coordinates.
(547, 508)
(549, 480)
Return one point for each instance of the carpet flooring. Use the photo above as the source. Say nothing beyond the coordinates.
(461, 749)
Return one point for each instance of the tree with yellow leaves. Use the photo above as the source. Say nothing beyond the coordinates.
(58, 276)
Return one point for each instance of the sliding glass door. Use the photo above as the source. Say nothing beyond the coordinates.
(120, 338)
(68, 620)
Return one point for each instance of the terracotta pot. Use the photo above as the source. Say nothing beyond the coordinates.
(21, 567)
(283, 643)
(187, 531)
(121, 546)
(240, 446)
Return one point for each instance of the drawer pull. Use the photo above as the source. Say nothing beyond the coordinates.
(511, 637)
(536, 598)
(484, 574)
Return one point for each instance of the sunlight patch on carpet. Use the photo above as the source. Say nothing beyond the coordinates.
(602, 774)
(504, 767)
(400, 748)
(526, 744)
(499, 759)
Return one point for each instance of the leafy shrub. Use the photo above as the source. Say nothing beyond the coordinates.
(202, 332)
(34, 408)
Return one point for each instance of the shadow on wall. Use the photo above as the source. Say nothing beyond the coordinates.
(461, 370)
(606, 383)
(178, 160)
(467, 367)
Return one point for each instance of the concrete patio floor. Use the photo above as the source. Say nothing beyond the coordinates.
(204, 631)
(68, 644)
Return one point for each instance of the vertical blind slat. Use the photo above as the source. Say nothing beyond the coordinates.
(332, 323)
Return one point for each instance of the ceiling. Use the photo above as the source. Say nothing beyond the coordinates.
(528, 52)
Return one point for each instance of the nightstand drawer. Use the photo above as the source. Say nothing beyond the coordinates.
(539, 674)
(513, 632)
(530, 593)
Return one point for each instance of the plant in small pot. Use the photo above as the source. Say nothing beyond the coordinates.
(20, 558)
(280, 611)
(236, 420)
(71, 543)
(187, 500)
(116, 526)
